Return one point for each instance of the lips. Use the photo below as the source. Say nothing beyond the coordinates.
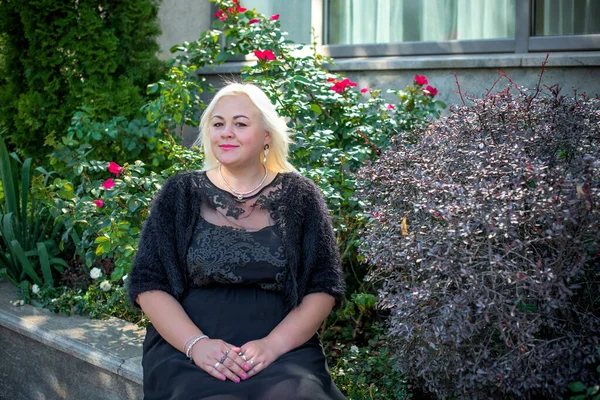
(227, 147)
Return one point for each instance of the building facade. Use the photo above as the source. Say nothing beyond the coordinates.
(384, 43)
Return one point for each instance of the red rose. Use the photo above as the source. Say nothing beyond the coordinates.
(390, 107)
(108, 183)
(224, 17)
(364, 90)
(264, 55)
(253, 21)
(340, 86)
(330, 79)
(241, 9)
(230, 10)
(219, 13)
(98, 203)
(430, 91)
(115, 168)
(274, 17)
(420, 80)
(236, 1)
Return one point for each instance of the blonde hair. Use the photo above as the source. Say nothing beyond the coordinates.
(272, 123)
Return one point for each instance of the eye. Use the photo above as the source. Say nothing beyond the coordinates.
(240, 124)
(218, 124)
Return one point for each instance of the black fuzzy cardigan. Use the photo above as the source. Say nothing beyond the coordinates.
(302, 219)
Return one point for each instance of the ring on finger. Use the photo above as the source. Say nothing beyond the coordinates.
(244, 357)
(223, 358)
(217, 364)
(241, 353)
(251, 362)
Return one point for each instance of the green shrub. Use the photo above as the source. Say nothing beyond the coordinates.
(60, 56)
(337, 126)
(485, 237)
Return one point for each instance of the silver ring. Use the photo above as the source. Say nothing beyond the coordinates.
(244, 357)
(223, 358)
(241, 353)
(226, 351)
(217, 364)
(251, 362)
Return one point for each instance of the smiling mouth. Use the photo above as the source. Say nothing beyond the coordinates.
(227, 147)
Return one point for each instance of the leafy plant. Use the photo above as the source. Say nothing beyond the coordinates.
(60, 56)
(27, 250)
(485, 238)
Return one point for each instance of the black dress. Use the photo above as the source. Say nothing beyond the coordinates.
(236, 269)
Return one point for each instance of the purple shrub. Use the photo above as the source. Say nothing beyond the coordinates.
(485, 240)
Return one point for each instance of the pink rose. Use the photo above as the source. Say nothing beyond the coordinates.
(241, 9)
(420, 80)
(219, 13)
(390, 107)
(224, 17)
(253, 21)
(274, 17)
(364, 90)
(108, 183)
(98, 203)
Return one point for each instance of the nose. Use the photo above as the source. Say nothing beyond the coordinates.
(227, 131)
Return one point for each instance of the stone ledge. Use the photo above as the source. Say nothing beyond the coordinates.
(110, 349)
(459, 61)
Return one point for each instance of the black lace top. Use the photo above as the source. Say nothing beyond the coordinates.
(236, 242)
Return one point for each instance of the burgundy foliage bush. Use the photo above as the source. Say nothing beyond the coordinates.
(485, 239)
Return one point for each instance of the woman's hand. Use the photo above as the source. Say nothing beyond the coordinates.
(220, 359)
(259, 354)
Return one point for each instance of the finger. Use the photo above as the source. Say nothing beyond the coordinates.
(223, 370)
(212, 371)
(234, 355)
(258, 366)
(235, 368)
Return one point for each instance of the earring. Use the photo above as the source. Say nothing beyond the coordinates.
(265, 152)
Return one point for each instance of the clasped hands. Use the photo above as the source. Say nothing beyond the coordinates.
(226, 361)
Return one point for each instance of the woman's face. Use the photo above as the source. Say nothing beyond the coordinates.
(237, 135)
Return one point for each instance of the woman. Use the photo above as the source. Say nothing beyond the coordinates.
(237, 267)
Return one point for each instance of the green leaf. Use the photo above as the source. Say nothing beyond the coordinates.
(577, 387)
(45, 263)
(315, 107)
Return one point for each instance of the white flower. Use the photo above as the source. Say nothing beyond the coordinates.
(354, 349)
(96, 273)
(22, 302)
(125, 278)
(105, 286)
(35, 289)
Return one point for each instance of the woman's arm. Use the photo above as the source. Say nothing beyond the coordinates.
(293, 331)
(175, 326)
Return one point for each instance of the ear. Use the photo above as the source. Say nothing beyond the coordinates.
(267, 137)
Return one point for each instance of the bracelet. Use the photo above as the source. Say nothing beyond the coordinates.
(187, 343)
(188, 351)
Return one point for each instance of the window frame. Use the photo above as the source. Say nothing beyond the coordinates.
(523, 42)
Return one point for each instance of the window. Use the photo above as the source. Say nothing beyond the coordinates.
(388, 21)
(566, 17)
(366, 28)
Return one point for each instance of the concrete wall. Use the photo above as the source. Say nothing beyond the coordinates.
(181, 21)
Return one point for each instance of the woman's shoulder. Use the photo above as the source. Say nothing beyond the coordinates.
(184, 180)
(300, 189)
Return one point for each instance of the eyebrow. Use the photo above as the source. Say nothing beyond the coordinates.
(234, 117)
